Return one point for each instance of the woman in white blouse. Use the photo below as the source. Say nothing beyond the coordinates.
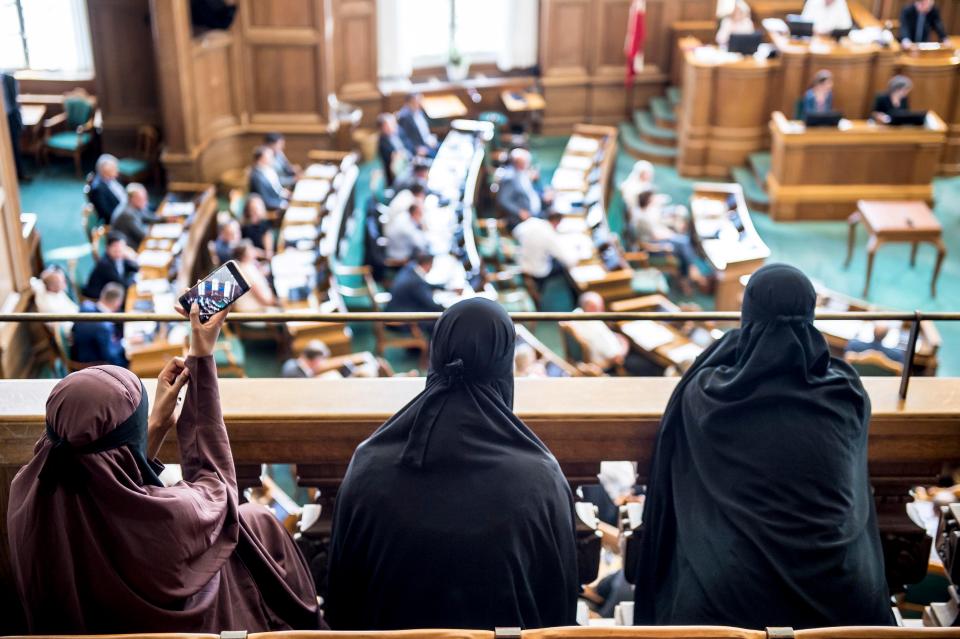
(738, 22)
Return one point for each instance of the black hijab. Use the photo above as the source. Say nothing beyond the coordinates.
(759, 510)
(454, 514)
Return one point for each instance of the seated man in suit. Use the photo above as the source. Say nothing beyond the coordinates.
(106, 193)
(414, 128)
(919, 20)
(117, 264)
(411, 293)
(310, 363)
(394, 156)
(880, 332)
(50, 294)
(264, 180)
(405, 234)
(287, 172)
(542, 254)
(828, 16)
(133, 219)
(98, 342)
(519, 196)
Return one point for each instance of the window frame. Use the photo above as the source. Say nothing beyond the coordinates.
(29, 72)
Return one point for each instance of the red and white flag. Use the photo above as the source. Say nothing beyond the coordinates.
(636, 36)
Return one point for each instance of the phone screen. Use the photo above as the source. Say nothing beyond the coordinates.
(217, 291)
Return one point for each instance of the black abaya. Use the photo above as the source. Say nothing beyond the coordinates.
(759, 510)
(454, 514)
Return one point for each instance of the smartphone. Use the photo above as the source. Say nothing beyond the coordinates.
(217, 291)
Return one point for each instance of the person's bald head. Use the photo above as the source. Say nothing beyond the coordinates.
(54, 280)
(111, 296)
(520, 159)
(107, 167)
(592, 302)
(137, 195)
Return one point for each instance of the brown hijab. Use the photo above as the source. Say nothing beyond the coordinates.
(100, 548)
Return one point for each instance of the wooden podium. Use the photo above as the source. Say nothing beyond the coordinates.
(821, 173)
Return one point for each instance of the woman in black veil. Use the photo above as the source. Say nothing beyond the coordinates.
(759, 510)
(454, 514)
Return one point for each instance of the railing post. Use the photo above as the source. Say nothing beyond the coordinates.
(911, 351)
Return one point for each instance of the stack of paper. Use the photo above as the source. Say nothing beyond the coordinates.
(583, 145)
(154, 259)
(178, 209)
(647, 334)
(169, 231)
(311, 190)
(323, 171)
(301, 215)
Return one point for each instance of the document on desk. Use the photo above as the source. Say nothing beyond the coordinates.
(297, 232)
(647, 334)
(311, 190)
(322, 171)
(168, 230)
(154, 259)
(583, 145)
(301, 215)
(576, 162)
(686, 353)
(178, 209)
(588, 273)
(568, 180)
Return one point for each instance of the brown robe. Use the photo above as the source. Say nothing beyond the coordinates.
(113, 554)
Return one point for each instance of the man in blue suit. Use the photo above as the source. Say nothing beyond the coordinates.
(265, 182)
(106, 193)
(411, 293)
(414, 128)
(98, 342)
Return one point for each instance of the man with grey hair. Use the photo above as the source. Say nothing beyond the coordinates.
(106, 193)
(133, 219)
(519, 196)
(895, 98)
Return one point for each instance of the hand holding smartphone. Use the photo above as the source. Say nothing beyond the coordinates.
(217, 291)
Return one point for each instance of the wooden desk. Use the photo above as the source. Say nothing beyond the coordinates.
(725, 113)
(522, 101)
(727, 238)
(821, 173)
(886, 222)
(443, 107)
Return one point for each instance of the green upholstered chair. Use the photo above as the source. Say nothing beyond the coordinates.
(70, 133)
(142, 166)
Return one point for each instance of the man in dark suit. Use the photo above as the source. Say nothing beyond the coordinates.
(519, 196)
(98, 342)
(393, 154)
(134, 219)
(106, 193)
(310, 363)
(411, 293)
(414, 128)
(116, 265)
(287, 172)
(11, 89)
(264, 180)
(918, 19)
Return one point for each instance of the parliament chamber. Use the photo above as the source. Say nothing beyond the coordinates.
(542, 314)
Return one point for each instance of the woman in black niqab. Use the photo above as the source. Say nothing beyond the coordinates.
(759, 511)
(453, 514)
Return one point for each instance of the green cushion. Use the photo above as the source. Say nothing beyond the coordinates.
(132, 166)
(78, 110)
(68, 140)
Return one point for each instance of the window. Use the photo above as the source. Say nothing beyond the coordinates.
(45, 35)
(414, 34)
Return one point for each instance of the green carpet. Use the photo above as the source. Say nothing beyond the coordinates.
(818, 248)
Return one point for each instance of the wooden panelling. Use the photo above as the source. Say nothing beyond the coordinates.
(609, 36)
(125, 68)
(355, 49)
(566, 31)
(282, 13)
(213, 84)
(660, 16)
(283, 79)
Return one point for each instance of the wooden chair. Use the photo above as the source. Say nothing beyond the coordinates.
(72, 132)
(412, 338)
(577, 351)
(873, 364)
(62, 343)
(142, 166)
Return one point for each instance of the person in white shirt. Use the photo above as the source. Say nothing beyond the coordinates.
(827, 15)
(640, 180)
(405, 234)
(604, 347)
(50, 295)
(403, 200)
(738, 22)
(542, 252)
